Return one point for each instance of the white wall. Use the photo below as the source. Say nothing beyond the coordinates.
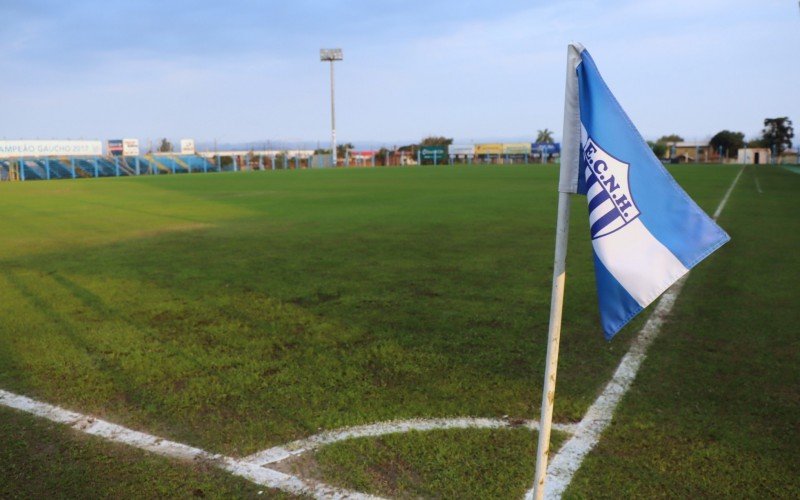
(764, 155)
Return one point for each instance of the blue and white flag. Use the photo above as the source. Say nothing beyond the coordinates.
(646, 232)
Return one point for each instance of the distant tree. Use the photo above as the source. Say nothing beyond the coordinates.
(165, 146)
(729, 141)
(434, 140)
(659, 149)
(342, 149)
(777, 133)
(382, 155)
(757, 143)
(544, 136)
(670, 138)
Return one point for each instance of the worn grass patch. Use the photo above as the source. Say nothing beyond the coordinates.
(453, 463)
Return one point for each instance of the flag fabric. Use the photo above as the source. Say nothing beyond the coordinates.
(646, 232)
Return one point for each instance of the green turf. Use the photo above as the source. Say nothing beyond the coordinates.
(714, 410)
(238, 311)
(40, 459)
(792, 168)
(463, 463)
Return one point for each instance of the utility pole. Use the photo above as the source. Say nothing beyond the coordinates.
(332, 55)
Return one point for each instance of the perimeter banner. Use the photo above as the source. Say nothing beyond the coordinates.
(22, 148)
(516, 148)
(461, 150)
(489, 149)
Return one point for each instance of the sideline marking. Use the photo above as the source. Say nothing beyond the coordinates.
(569, 457)
(727, 195)
(758, 184)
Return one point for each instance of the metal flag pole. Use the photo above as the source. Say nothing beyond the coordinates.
(567, 184)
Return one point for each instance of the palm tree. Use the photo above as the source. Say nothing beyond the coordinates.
(545, 137)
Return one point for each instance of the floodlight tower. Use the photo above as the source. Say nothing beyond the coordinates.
(332, 55)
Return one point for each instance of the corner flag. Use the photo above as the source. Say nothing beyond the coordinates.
(646, 231)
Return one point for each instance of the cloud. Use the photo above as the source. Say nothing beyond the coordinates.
(247, 69)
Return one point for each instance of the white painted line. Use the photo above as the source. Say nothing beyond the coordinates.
(289, 483)
(118, 434)
(101, 428)
(758, 184)
(724, 201)
(254, 467)
(570, 456)
(562, 468)
(278, 453)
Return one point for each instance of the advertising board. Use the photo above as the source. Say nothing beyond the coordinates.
(493, 148)
(130, 147)
(114, 147)
(461, 150)
(516, 148)
(187, 146)
(546, 147)
(34, 148)
(433, 153)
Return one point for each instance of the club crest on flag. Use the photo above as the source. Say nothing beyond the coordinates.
(611, 205)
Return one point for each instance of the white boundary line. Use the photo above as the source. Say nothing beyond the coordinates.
(727, 195)
(278, 453)
(758, 184)
(254, 467)
(569, 457)
(562, 468)
(118, 434)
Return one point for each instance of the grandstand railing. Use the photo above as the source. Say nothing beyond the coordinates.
(75, 167)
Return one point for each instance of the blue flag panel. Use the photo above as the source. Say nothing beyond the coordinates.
(646, 232)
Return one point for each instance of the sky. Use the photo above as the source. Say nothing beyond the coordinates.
(236, 70)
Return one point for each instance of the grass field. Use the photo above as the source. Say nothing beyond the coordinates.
(714, 412)
(239, 311)
(40, 459)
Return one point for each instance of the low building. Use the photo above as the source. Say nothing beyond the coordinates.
(755, 156)
(790, 157)
(690, 152)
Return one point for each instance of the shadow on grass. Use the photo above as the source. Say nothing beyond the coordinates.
(267, 329)
(66, 327)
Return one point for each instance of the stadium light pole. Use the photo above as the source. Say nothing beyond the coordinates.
(332, 55)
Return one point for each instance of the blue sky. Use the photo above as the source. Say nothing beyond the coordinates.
(474, 70)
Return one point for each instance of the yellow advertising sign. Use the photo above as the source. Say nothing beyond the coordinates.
(517, 148)
(493, 148)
